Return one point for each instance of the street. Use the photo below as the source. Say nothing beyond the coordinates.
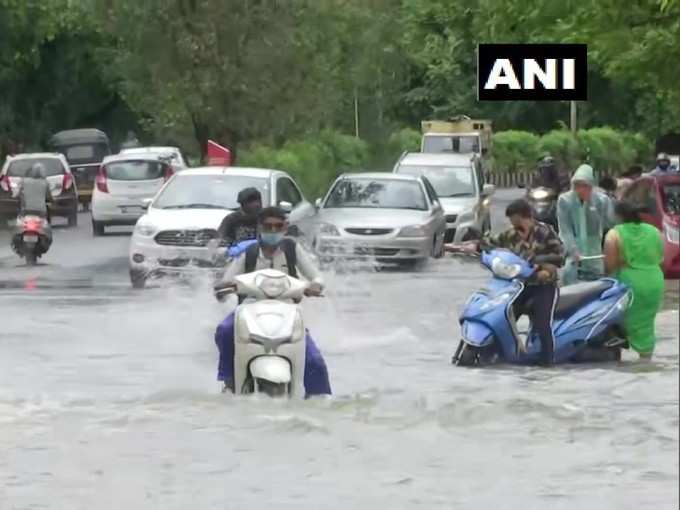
(108, 399)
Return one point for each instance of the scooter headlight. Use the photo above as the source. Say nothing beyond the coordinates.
(503, 270)
(272, 286)
(539, 194)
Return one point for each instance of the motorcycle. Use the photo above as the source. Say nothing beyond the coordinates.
(587, 320)
(269, 334)
(543, 203)
(32, 238)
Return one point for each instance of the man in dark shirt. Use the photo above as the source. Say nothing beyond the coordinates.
(242, 224)
(529, 238)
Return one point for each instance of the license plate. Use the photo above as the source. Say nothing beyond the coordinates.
(30, 238)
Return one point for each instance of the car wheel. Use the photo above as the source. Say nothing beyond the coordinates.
(438, 248)
(97, 228)
(137, 279)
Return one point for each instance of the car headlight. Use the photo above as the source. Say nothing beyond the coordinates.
(539, 194)
(145, 229)
(412, 231)
(503, 270)
(328, 229)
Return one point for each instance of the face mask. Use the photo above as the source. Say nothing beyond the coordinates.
(663, 165)
(271, 238)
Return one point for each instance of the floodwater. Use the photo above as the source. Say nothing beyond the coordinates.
(108, 400)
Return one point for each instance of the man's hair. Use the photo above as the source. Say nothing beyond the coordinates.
(629, 212)
(248, 195)
(519, 207)
(633, 171)
(272, 212)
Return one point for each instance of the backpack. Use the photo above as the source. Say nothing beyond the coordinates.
(287, 246)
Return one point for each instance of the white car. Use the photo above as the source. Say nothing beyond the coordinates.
(123, 183)
(173, 153)
(172, 237)
(457, 180)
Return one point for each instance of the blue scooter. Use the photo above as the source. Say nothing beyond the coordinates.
(587, 321)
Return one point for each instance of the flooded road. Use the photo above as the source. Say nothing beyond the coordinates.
(108, 400)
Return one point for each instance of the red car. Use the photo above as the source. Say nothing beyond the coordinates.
(662, 196)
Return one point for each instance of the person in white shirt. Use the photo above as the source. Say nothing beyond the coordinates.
(274, 251)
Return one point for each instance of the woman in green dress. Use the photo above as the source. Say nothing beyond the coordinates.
(633, 254)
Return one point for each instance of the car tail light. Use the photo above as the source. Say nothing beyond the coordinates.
(4, 183)
(67, 182)
(100, 180)
(32, 225)
(168, 173)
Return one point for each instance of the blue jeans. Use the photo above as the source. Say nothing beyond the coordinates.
(316, 374)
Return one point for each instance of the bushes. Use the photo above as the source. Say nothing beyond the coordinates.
(602, 147)
(515, 150)
(314, 162)
(406, 139)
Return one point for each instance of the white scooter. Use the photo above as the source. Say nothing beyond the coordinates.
(269, 334)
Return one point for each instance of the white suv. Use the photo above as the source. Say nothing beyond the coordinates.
(123, 183)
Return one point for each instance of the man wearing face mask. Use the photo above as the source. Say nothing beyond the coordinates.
(274, 251)
(528, 239)
(242, 224)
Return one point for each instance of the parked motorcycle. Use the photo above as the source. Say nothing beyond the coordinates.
(587, 322)
(543, 203)
(269, 334)
(32, 238)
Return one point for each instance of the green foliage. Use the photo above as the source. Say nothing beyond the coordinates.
(314, 162)
(515, 151)
(406, 139)
(562, 145)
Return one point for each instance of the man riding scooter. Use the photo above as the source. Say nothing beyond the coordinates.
(34, 193)
(274, 251)
(528, 239)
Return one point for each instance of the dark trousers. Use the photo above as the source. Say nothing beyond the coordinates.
(316, 374)
(539, 302)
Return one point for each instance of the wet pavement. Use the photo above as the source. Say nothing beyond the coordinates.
(108, 400)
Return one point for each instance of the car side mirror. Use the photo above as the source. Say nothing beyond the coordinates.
(488, 190)
(146, 202)
(287, 207)
(317, 203)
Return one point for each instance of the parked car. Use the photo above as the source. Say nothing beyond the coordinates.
(122, 184)
(84, 150)
(172, 237)
(172, 153)
(62, 185)
(457, 180)
(661, 196)
(389, 217)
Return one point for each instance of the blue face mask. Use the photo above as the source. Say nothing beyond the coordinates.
(271, 238)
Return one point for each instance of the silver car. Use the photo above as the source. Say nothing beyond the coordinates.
(380, 215)
(458, 182)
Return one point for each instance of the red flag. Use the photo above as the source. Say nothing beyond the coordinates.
(218, 155)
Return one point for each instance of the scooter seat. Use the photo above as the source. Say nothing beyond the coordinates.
(573, 296)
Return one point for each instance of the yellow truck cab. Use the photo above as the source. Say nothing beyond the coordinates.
(459, 135)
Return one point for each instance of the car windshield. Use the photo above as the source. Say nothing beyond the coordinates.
(447, 181)
(208, 191)
(377, 194)
(85, 153)
(451, 143)
(20, 167)
(671, 198)
(134, 170)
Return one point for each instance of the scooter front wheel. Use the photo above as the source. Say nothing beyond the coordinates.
(470, 356)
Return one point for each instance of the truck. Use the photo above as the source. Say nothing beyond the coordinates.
(461, 135)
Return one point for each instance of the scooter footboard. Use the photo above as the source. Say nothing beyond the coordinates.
(477, 334)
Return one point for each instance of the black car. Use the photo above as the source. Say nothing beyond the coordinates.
(84, 150)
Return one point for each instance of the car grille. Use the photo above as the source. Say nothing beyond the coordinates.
(451, 218)
(369, 231)
(183, 262)
(376, 252)
(194, 238)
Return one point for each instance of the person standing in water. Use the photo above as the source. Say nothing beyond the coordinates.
(633, 254)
